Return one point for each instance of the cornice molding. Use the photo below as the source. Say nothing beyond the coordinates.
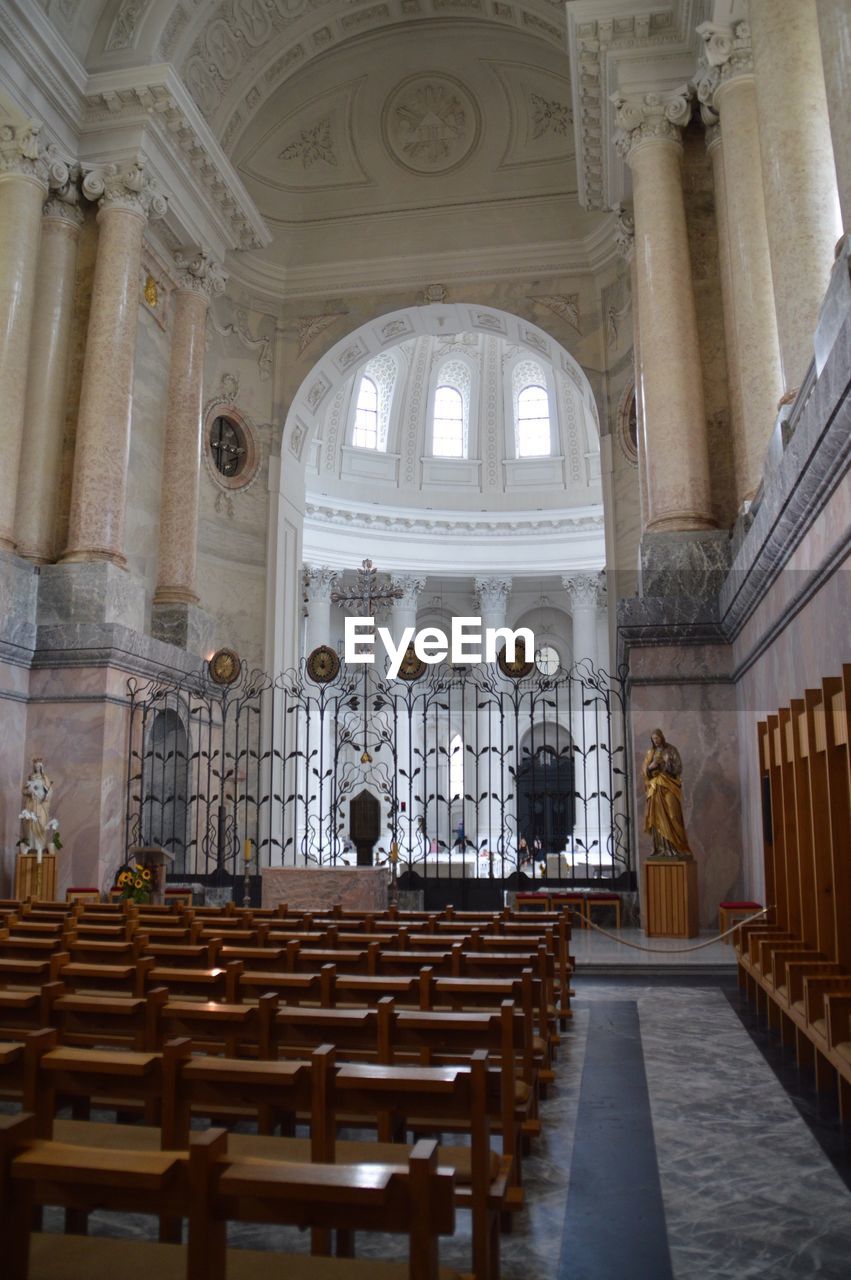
(437, 523)
(622, 46)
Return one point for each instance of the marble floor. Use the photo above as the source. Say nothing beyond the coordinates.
(672, 1146)
(618, 950)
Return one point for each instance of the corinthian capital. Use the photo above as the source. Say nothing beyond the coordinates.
(22, 153)
(125, 187)
(727, 55)
(411, 586)
(581, 589)
(319, 581)
(492, 594)
(199, 273)
(650, 116)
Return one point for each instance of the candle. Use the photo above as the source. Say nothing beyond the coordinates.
(246, 849)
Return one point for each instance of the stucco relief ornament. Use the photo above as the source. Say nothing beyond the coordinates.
(200, 274)
(581, 588)
(21, 152)
(625, 234)
(125, 187)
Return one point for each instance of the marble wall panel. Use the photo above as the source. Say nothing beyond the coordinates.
(14, 683)
(688, 693)
(320, 888)
(150, 382)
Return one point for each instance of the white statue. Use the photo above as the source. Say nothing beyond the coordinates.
(38, 829)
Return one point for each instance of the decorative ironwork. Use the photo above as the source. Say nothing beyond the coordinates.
(279, 761)
(224, 666)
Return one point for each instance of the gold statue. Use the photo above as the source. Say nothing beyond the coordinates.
(662, 769)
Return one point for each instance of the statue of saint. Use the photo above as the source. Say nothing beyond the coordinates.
(662, 769)
(37, 827)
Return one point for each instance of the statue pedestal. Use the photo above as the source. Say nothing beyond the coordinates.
(670, 898)
(27, 877)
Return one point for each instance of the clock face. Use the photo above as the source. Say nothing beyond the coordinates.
(323, 664)
(412, 667)
(224, 666)
(519, 668)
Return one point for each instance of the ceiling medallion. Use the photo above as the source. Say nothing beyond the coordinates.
(520, 667)
(412, 667)
(323, 664)
(224, 666)
(430, 123)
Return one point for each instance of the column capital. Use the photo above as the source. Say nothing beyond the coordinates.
(64, 201)
(625, 235)
(319, 581)
(412, 585)
(581, 589)
(650, 117)
(602, 590)
(492, 593)
(198, 272)
(726, 55)
(125, 187)
(22, 153)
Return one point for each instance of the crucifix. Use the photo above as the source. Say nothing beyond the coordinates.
(366, 594)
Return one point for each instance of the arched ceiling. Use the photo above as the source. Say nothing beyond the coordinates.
(391, 114)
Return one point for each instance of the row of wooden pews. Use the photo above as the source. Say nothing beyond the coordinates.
(398, 1025)
(796, 967)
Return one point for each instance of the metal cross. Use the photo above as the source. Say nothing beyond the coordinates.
(367, 593)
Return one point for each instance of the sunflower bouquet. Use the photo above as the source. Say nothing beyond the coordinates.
(136, 882)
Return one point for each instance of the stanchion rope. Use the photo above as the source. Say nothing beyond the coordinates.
(669, 951)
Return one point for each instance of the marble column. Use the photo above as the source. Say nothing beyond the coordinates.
(198, 280)
(798, 173)
(41, 453)
(24, 174)
(491, 774)
(98, 494)
(409, 739)
(678, 487)
(582, 591)
(725, 86)
(320, 581)
(834, 24)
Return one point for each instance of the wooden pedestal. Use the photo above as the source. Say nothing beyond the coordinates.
(26, 877)
(670, 898)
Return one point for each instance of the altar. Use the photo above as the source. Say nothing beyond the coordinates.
(321, 888)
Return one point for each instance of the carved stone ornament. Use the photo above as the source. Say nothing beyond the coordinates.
(200, 274)
(125, 187)
(625, 235)
(492, 593)
(582, 589)
(319, 581)
(411, 587)
(650, 117)
(224, 667)
(21, 152)
(726, 55)
(323, 664)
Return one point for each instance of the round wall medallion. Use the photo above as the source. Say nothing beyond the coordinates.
(627, 424)
(412, 667)
(224, 666)
(430, 123)
(519, 668)
(230, 446)
(323, 664)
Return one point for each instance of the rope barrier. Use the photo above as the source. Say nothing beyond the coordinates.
(669, 951)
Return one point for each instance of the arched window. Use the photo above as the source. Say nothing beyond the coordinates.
(451, 410)
(448, 439)
(532, 433)
(365, 434)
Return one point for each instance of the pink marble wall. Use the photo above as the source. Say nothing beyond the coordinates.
(13, 724)
(694, 703)
(78, 723)
(319, 888)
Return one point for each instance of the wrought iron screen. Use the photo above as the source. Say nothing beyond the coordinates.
(465, 772)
